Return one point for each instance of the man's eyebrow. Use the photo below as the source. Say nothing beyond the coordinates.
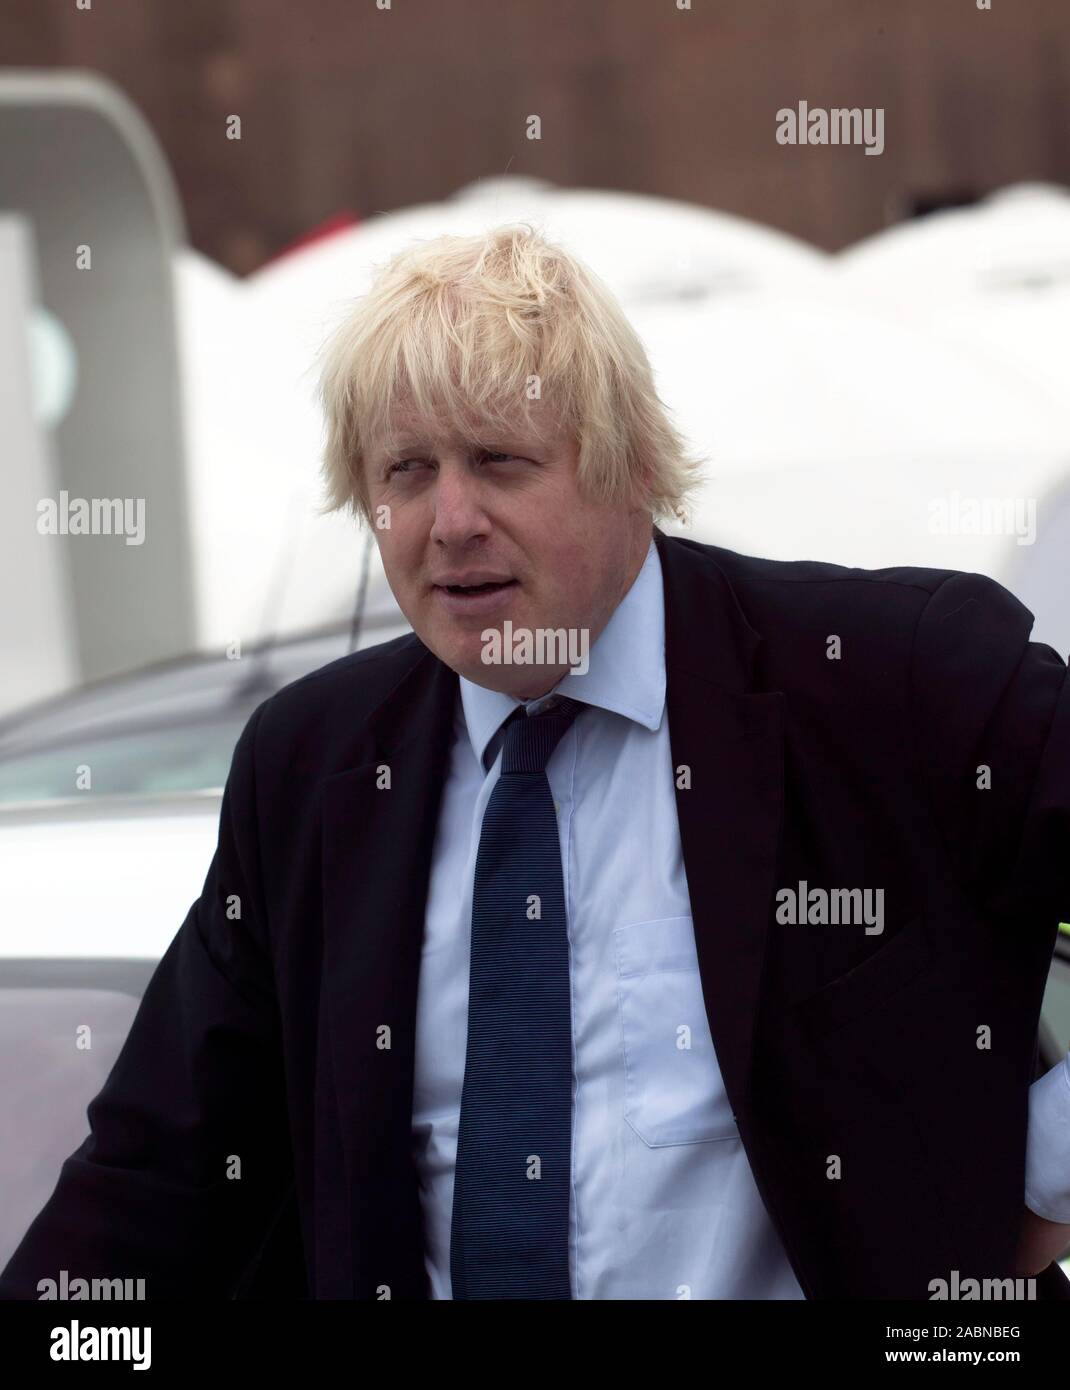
(407, 446)
(491, 440)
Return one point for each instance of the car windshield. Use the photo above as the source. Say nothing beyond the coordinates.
(178, 758)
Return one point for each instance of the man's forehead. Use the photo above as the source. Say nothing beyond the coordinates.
(409, 429)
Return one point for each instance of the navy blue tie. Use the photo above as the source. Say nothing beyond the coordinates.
(509, 1237)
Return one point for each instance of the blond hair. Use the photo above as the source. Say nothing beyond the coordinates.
(475, 329)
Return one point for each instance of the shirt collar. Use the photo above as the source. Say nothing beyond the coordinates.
(625, 670)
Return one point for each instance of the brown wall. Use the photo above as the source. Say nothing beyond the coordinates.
(345, 106)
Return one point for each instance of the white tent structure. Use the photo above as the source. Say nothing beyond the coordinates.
(833, 433)
(991, 285)
(993, 280)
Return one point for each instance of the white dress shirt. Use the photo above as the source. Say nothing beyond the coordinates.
(663, 1201)
(1047, 1154)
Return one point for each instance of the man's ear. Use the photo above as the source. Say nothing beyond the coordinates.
(642, 489)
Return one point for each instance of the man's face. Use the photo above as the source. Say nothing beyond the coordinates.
(505, 509)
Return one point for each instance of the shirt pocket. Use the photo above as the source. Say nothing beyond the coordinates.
(673, 1090)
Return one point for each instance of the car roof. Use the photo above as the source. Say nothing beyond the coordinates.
(181, 690)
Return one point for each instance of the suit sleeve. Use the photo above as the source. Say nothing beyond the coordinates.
(195, 1098)
(993, 711)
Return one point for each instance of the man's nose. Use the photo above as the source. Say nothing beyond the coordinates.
(456, 503)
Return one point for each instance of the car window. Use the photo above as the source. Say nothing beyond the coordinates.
(1056, 1012)
(183, 758)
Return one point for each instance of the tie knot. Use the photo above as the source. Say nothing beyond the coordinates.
(531, 738)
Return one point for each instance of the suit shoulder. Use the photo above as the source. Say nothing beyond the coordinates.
(766, 588)
(907, 590)
(752, 570)
(343, 691)
(895, 614)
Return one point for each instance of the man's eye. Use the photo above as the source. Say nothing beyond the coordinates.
(486, 455)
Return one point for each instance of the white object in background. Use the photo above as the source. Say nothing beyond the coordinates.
(992, 281)
(53, 367)
(132, 868)
(35, 634)
(265, 563)
(838, 433)
(1041, 578)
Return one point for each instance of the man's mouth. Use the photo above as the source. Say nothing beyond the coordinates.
(476, 588)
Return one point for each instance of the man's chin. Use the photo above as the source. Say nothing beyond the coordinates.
(528, 683)
(522, 682)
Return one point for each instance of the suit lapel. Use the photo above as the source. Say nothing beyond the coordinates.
(377, 845)
(731, 740)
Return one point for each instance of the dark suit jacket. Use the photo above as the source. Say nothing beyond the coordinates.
(257, 1036)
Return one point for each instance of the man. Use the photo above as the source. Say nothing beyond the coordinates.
(653, 922)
